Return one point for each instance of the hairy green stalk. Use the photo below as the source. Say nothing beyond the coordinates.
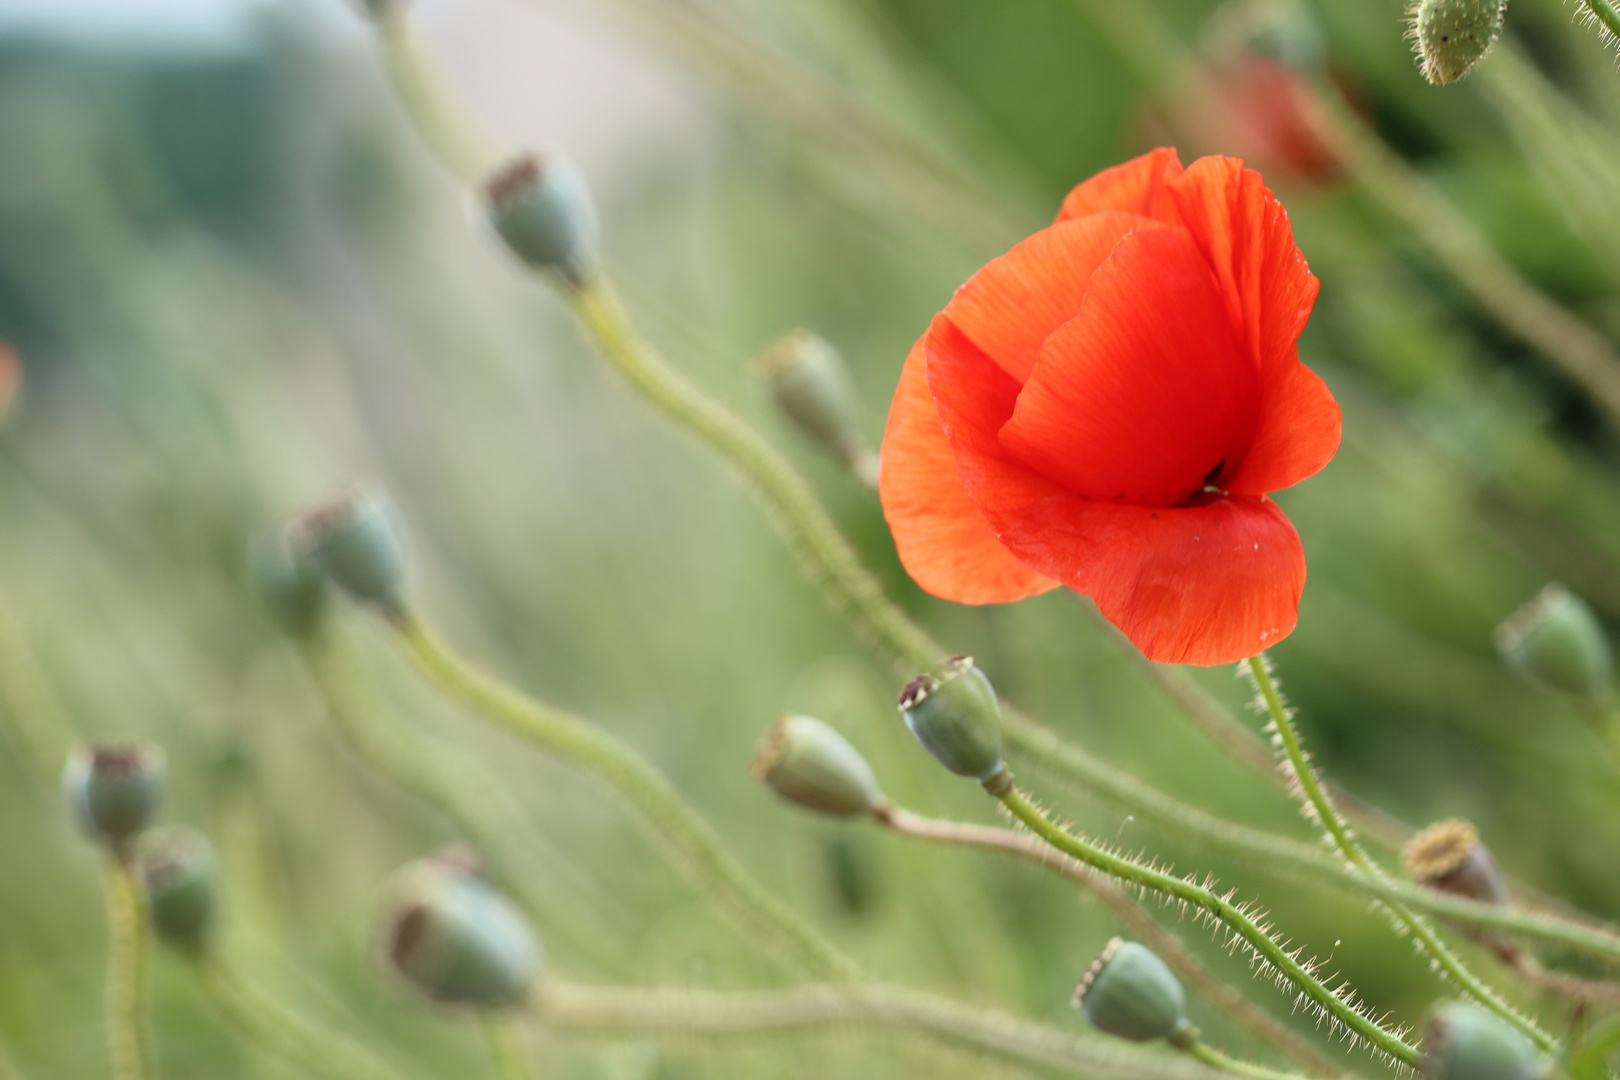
(1607, 16)
(1321, 810)
(129, 1008)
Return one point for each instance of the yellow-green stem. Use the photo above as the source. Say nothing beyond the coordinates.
(679, 833)
(1198, 1048)
(1322, 810)
(508, 1057)
(129, 1020)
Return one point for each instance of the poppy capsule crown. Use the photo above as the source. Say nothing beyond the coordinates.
(1107, 406)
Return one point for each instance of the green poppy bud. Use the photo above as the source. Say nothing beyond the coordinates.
(113, 789)
(1467, 1042)
(293, 588)
(956, 717)
(1129, 992)
(808, 381)
(807, 762)
(358, 540)
(179, 872)
(542, 209)
(1447, 856)
(1454, 35)
(1556, 642)
(450, 934)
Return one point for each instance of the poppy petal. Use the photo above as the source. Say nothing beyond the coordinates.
(1145, 396)
(1249, 241)
(1136, 187)
(1296, 435)
(1010, 306)
(938, 530)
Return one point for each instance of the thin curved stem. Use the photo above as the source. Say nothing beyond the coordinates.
(507, 1055)
(1322, 811)
(680, 834)
(1201, 1050)
(1335, 1003)
(129, 1020)
(687, 1013)
(1169, 948)
(285, 1033)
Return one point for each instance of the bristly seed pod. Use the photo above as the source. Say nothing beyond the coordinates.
(457, 939)
(1556, 642)
(113, 789)
(541, 207)
(1454, 35)
(358, 540)
(1448, 857)
(1468, 1042)
(179, 873)
(1129, 992)
(809, 383)
(807, 762)
(956, 716)
(292, 587)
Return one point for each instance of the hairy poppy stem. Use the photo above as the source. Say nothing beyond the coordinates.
(129, 1020)
(682, 835)
(1607, 15)
(1322, 810)
(1332, 1002)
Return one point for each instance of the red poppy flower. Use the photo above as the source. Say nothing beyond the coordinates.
(1106, 407)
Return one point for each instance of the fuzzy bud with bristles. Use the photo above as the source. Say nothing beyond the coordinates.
(809, 383)
(1448, 857)
(541, 207)
(113, 789)
(358, 540)
(807, 762)
(1454, 35)
(956, 717)
(1556, 642)
(457, 939)
(1129, 992)
(179, 873)
(1468, 1042)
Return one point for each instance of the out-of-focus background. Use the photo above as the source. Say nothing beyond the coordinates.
(235, 280)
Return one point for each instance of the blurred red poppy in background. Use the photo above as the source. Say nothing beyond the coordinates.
(1106, 406)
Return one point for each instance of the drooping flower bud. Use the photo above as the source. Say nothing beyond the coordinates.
(457, 939)
(541, 207)
(1556, 642)
(807, 762)
(808, 381)
(956, 716)
(1129, 992)
(293, 588)
(1468, 1042)
(358, 540)
(1447, 856)
(179, 872)
(113, 788)
(1454, 35)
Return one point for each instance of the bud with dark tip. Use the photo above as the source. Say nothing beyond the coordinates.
(450, 934)
(1454, 35)
(113, 789)
(807, 762)
(541, 207)
(809, 383)
(1468, 1042)
(1447, 856)
(1129, 992)
(293, 588)
(358, 541)
(1556, 642)
(179, 873)
(956, 716)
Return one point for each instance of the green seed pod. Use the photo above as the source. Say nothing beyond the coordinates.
(113, 789)
(358, 540)
(450, 934)
(180, 875)
(807, 762)
(1556, 642)
(1129, 992)
(542, 209)
(1467, 1042)
(1448, 857)
(1454, 35)
(956, 717)
(293, 588)
(807, 380)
